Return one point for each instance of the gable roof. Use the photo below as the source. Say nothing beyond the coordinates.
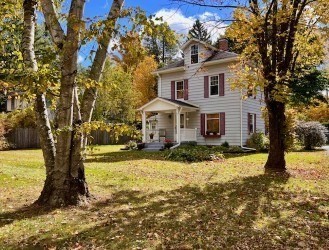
(172, 103)
(207, 45)
(215, 56)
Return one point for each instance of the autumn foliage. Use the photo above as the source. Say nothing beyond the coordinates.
(144, 81)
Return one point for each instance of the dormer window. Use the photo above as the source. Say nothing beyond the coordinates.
(194, 53)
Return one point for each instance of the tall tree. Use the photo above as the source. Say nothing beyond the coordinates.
(200, 32)
(278, 36)
(65, 176)
(162, 44)
(308, 88)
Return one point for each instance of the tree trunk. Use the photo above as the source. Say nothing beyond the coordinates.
(65, 181)
(46, 137)
(277, 120)
(64, 186)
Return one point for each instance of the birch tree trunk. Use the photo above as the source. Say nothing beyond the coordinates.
(65, 175)
(46, 137)
(90, 94)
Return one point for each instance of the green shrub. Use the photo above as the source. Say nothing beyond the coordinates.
(24, 118)
(4, 129)
(259, 141)
(225, 144)
(194, 154)
(140, 145)
(311, 134)
(168, 143)
(131, 145)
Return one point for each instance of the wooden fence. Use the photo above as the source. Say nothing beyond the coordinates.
(24, 138)
(29, 138)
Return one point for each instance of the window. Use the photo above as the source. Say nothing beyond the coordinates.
(194, 54)
(214, 85)
(212, 124)
(13, 103)
(180, 90)
(251, 123)
(151, 125)
(182, 121)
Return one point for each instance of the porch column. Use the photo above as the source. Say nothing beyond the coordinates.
(144, 125)
(178, 124)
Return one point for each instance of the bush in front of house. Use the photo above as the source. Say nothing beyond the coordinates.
(311, 134)
(140, 145)
(168, 143)
(258, 141)
(194, 154)
(131, 145)
(225, 144)
(4, 129)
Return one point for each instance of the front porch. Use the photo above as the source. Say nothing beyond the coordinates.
(186, 134)
(165, 119)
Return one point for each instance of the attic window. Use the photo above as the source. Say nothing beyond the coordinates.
(194, 54)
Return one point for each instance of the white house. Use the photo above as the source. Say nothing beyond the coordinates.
(195, 101)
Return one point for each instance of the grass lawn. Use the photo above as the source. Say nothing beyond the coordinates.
(146, 202)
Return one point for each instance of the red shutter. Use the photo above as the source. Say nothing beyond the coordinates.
(249, 121)
(206, 86)
(255, 122)
(221, 85)
(186, 89)
(173, 90)
(222, 123)
(202, 124)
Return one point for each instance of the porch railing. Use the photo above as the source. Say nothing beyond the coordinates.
(188, 134)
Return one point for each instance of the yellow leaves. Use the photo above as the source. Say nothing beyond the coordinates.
(319, 112)
(144, 81)
(115, 130)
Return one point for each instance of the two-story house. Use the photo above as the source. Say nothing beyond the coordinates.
(195, 101)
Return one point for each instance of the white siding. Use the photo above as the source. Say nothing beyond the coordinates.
(229, 103)
(252, 105)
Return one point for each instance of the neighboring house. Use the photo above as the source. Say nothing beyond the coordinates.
(195, 101)
(14, 101)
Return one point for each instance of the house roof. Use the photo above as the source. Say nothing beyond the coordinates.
(216, 55)
(169, 103)
(180, 103)
(207, 45)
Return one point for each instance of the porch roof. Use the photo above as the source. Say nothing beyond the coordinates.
(165, 104)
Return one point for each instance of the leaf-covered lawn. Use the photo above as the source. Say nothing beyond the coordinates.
(144, 201)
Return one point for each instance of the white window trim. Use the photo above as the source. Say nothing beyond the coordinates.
(191, 53)
(253, 115)
(206, 120)
(210, 86)
(176, 90)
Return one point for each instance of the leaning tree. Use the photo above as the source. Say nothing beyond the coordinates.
(277, 37)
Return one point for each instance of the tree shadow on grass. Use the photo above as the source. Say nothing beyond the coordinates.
(246, 213)
(26, 212)
(125, 156)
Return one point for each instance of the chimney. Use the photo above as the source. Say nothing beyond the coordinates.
(223, 44)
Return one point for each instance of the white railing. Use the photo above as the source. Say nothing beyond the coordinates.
(188, 134)
(155, 133)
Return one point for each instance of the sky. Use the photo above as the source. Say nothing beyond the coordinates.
(180, 17)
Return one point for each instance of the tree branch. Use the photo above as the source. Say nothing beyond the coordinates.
(203, 4)
(52, 23)
(97, 67)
